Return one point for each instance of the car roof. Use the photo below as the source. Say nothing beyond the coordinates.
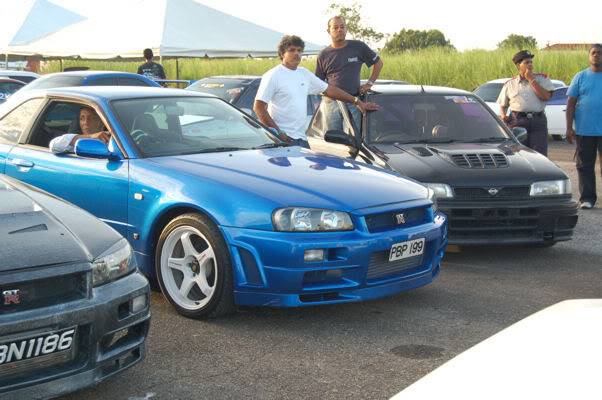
(504, 80)
(418, 89)
(5, 72)
(118, 92)
(93, 73)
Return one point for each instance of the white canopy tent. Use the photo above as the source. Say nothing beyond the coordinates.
(172, 28)
(25, 21)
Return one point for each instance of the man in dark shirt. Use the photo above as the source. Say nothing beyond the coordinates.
(151, 69)
(340, 64)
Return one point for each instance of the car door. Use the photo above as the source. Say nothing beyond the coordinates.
(99, 186)
(556, 113)
(14, 124)
(321, 123)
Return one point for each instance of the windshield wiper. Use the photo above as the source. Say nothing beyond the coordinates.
(213, 150)
(492, 139)
(429, 141)
(271, 145)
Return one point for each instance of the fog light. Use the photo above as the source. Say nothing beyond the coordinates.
(314, 255)
(138, 303)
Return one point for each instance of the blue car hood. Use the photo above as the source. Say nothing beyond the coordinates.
(294, 176)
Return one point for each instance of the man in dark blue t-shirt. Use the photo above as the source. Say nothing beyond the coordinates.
(340, 64)
(151, 69)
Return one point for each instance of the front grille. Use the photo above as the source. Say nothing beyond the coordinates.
(492, 222)
(45, 292)
(389, 220)
(480, 160)
(381, 267)
(499, 193)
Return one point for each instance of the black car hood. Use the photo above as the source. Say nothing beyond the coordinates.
(432, 163)
(37, 229)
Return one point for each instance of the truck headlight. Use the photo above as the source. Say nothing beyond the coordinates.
(296, 219)
(551, 188)
(114, 263)
(442, 191)
(432, 196)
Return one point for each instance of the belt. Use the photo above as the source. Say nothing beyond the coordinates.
(523, 114)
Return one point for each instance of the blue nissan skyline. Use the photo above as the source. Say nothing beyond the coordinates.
(218, 210)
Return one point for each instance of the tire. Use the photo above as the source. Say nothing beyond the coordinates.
(194, 267)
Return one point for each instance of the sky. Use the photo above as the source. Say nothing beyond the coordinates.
(468, 24)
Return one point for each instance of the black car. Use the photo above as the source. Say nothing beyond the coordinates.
(240, 91)
(74, 309)
(493, 189)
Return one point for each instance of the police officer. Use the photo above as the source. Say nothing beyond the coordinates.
(526, 95)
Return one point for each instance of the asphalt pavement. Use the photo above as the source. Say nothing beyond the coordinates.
(368, 350)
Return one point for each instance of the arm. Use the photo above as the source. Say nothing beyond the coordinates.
(335, 93)
(542, 93)
(504, 113)
(261, 109)
(570, 116)
(373, 76)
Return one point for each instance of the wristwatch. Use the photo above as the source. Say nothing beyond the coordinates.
(356, 100)
(370, 81)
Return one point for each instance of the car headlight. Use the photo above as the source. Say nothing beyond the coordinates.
(295, 219)
(432, 196)
(551, 188)
(114, 263)
(442, 191)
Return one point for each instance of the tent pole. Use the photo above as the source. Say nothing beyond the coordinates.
(177, 69)
(6, 61)
(61, 64)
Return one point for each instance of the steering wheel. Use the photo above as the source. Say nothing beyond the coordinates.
(141, 138)
(389, 136)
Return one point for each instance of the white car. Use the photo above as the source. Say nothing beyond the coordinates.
(552, 354)
(490, 91)
(23, 76)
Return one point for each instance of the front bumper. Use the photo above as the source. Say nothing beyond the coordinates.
(511, 221)
(270, 269)
(110, 338)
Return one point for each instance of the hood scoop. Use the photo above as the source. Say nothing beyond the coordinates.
(479, 160)
(422, 151)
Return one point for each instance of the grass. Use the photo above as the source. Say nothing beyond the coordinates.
(465, 70)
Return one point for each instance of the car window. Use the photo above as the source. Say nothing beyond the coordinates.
(559, 97)
(13, 124)
(406, 118)
(186, 125)
(58, 119)
(247, 98)
(227, 89)
(323, 121)
(131, 82)
(23, 78)
(103, 82)
(489, 92)
(55, 81)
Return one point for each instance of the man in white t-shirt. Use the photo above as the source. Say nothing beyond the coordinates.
(281, 100)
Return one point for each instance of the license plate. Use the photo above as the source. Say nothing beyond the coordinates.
(37, 345)
(406, 249)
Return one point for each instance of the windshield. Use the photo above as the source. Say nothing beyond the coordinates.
(164, 126)
(227, 89)
(431, 118)
(489, 92)
(8, 88)
(55, 81)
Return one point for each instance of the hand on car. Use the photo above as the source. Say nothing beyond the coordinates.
(365, 88)
(367, 106)
(102, 135)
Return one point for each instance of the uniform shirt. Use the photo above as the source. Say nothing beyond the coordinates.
(586, 87)
(152, 70)
(285, 91)
(520, 96)
(341, 67)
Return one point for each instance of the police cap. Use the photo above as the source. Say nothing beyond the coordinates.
(521, 55)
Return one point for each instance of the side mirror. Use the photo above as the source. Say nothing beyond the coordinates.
(93, 148)
(339, 137)
(520, 133)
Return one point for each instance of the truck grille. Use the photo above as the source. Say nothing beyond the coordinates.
(478, 160)
(44, 292)
(389, 220)
(499, 193)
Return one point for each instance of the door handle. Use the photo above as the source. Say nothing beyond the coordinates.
(21, 163)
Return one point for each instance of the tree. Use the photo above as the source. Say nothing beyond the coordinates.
(353, 20)
(410, 39)
(518, 42)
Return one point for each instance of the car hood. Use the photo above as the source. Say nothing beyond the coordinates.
(294, 176)
(434, 164)
(37, 229)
